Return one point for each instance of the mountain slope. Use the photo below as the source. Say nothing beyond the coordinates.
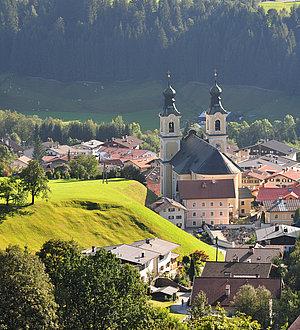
(93, 213)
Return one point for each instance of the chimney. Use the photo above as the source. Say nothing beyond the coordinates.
(285, 230)
(93, 249)
(143, 254)
(227, 290)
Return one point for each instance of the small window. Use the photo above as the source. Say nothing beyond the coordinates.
(171, 127)
(194, 204)
(194, 223)
(242, 202)
(242, 211)
(203, 204)
(171, 217)
(221, 213)
(212, 222)
(276, 216)
(217, 125)
(292, 216)
(221, 204)
(211, 203)
(212, 214)
(203, 214)
(178, 217)
(171, 209)
(194, 214)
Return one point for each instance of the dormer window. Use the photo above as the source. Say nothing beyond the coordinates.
(217, 125)
(171, 127)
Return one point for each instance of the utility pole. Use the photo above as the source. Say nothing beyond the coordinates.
(217, 248)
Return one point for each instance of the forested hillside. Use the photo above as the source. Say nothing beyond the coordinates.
(104, 40)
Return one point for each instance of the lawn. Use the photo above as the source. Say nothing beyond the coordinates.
(279, 5)
(93, 213)
(134, 100)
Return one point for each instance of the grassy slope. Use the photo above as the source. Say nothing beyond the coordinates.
(93, 213)
(136, 101)
(278, 5)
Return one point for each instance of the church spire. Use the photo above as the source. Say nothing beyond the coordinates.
(215, 97)
(169, 95)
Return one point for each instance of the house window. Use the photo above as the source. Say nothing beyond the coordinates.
(292, 216)
(217, 125)
(171, 209)
(203, 204)
(211, 203)
(276, 216)
(212, 222)
(171, 127)
(194, 204)
(171, 217)
(194, 214)
(194, 223)
(242, 211)
(178, 216)
(221, 204)
(212, 214)
(242, 202)
(221, 213)
(203, 214)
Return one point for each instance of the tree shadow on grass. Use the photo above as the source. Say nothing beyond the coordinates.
(12, 210)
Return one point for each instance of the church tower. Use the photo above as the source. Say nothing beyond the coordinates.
(216, 125)
(170, 136)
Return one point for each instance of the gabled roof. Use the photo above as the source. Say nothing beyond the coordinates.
(282, 205)
(273, 194)
(245, 193)
(256, 174)
(290, 174)
(258, 255)
(223, 290)
(128, 141)
(279, 146)
(156, 245)
(236, 269)
(197, 156)
(206, 189)
(272, 232)
(164, 203)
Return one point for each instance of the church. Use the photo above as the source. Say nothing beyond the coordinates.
(196, 171)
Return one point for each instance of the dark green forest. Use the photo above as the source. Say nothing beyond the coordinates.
(102, 40)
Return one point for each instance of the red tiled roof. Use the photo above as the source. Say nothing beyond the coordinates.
(272, 194)
(128, 141)
(290, 174)
(215, 288)
(295, 325)
(205, 189)
(256, 175)
(125, 153)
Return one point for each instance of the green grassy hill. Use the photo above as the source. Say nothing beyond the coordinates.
(135, 101)
(93, 213)
(279, 5)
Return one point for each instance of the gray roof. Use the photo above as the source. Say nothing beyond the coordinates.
(271, 232)
(245, 193)
(168, 290)
(197, 156)
(279, 146)
(282, 205)
(157, 245)
(236, 269)
(258, 255)
(132, 254)
(164, 203)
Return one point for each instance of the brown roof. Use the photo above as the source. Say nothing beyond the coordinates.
(258, 255)
(164, 203)
(215, 288)
(295, 325)
(206, 189)
(128, 141)
(236, 269)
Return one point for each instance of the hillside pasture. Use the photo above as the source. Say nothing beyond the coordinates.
(94, 213)
(279, 5)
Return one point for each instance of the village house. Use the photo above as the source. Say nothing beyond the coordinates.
(20, 163)
(127, 141)
(170, 210)
(221, 290)
(284, 178)
(274, 194)
(90, 147)
(280, 211)
(280, 235)
(142, 165)
(256, 254)
(245, 201)
(207, 201)
(273, 147)
(153, 257)
(254, 179)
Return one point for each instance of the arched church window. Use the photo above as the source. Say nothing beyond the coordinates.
(171, 127)
(217, 125)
